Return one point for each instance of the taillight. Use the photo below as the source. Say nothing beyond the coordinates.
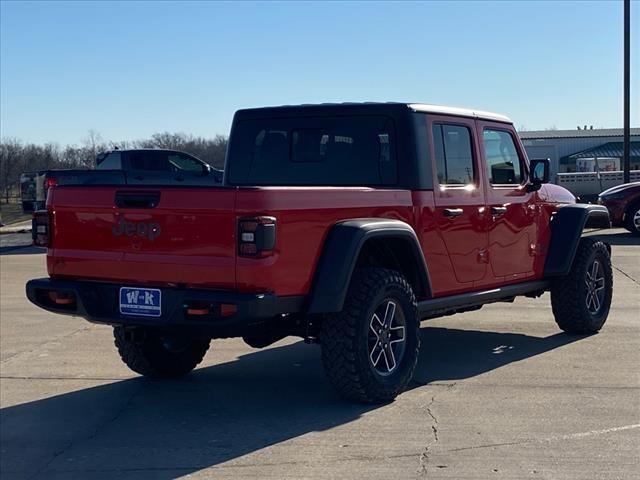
(41, 228)
(50, 182)
(256, 236)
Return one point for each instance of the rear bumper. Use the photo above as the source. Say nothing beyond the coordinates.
(98, 302)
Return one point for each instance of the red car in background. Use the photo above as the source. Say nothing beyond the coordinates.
(623, 203)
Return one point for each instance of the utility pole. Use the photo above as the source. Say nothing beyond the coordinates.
(627, 81)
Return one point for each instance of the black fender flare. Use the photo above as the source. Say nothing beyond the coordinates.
(567, 226)
(340, 255)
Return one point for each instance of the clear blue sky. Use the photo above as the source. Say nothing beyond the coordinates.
(130, 69)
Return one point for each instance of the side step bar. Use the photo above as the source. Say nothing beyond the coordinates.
(469, 301)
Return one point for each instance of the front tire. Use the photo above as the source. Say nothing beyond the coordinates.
(581, 300)
(158, 354)
(370, 348)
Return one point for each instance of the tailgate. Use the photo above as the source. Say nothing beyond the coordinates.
(157, 236)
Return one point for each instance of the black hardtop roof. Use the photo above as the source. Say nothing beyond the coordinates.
(393, 109)
(121, 150)
(347, 108)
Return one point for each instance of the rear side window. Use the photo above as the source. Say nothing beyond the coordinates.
(503, 161)
(454, 158)
(331, 151)
(150, 161)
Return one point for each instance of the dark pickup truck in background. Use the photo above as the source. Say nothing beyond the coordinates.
(121, 167)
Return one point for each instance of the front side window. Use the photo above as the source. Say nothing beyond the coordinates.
(185, 163)
(503, 161)
(109, 161)
(454, 158)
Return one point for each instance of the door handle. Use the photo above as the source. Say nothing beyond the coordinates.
(497, 211)
(452, 212)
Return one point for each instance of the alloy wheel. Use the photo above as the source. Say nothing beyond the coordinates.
(595, 287)
(387, 338)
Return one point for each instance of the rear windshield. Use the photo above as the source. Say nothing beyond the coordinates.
(328, 151)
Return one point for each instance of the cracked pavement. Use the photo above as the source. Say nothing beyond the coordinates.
(498, 393)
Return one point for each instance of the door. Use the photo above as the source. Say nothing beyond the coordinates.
(512, 210)
(459, 198)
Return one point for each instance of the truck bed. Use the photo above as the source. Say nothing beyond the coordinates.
(194, 244)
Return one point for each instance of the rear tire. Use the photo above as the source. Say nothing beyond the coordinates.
(370, 348)
(581, 300)
(632, 219)
(158, 354)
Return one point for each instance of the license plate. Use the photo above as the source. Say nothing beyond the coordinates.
(145, 302)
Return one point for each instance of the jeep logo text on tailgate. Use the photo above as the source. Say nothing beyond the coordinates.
(136, 229)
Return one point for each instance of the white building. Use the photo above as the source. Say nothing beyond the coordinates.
(575, 150)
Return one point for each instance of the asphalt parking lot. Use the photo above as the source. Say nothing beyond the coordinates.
(499, 393)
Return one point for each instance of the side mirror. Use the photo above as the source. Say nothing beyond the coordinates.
(205, 169)
(539, 174)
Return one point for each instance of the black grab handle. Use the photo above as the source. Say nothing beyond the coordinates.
(137, 199)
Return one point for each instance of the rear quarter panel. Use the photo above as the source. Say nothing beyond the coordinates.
(305, 216)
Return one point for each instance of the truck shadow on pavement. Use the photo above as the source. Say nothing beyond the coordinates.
(163, 429)
(21, 250)
(448, 355)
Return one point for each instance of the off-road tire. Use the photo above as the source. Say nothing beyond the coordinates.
(569, 293)
(629, 223)
(149, 356)
(344, 337)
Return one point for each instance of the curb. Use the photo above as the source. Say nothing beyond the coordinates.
(7, 230)
(23, 226)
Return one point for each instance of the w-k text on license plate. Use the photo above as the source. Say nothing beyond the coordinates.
(140, 301)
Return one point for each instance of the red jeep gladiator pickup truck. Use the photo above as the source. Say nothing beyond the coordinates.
(344, 224)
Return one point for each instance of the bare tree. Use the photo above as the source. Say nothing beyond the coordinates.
(10, 150)
(18, 157)
(93, 144)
